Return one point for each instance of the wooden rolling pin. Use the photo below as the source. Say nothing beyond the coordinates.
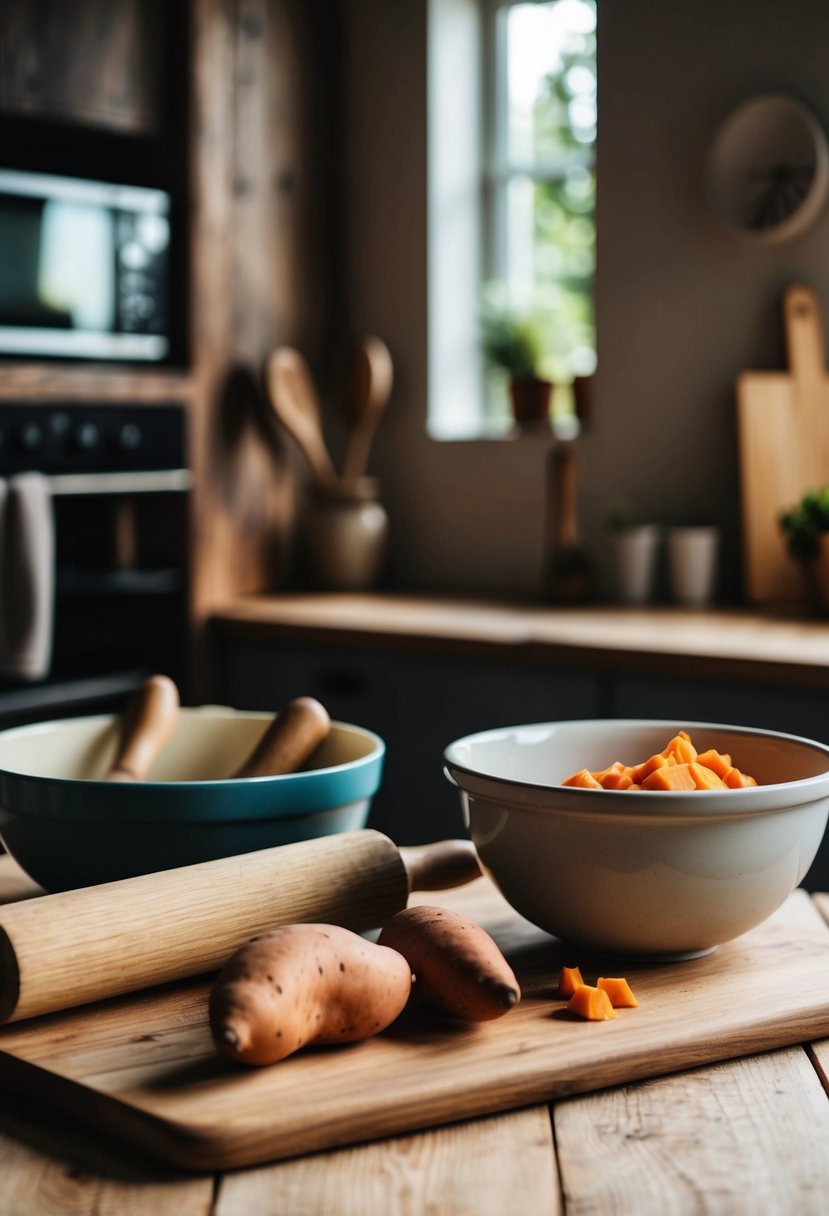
(148, 724)
(295, 733)
(80, 946)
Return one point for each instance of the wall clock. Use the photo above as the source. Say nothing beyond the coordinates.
(768, 172)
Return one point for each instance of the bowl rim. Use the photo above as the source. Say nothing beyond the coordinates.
(34, 728)
(651, 804)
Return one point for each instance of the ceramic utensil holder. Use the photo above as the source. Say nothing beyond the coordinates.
(346, 536)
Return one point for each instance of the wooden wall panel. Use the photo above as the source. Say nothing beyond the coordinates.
(44, 73)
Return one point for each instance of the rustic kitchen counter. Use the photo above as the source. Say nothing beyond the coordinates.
(750, 644)
(750, 1134)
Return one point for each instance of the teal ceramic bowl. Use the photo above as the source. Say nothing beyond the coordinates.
(67, 827)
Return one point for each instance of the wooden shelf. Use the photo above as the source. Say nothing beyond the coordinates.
(45, 383)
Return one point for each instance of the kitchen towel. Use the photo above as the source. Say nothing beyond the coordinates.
(27, 578)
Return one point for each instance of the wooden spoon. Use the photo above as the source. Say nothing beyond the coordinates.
(146, 727)
(373, 377)
(289, 740)
(293, 399)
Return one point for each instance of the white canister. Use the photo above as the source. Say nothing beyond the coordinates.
(693, 555)
(635, 552)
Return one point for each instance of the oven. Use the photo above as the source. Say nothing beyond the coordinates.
(94, 522)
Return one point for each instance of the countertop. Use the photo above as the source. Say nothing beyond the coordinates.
(747, 1135)
(748, 644)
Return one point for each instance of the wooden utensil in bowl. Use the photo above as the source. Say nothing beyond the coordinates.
(287, 743)
(148, 724)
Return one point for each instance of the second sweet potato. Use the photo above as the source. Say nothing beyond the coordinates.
(458, 968)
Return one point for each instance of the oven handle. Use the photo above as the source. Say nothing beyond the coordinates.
(154, 481)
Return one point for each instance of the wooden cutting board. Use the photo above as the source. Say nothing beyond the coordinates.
(783, 430)
(143, 1068)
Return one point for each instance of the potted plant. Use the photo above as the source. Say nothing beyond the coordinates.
(513, 343)
(635, 550)
(806, 529)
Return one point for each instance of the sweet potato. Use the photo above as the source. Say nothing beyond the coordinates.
(591, 1003)
(618, 991)
(583, 779)
(458, 968)
(680, 749)
(569, 980)
(677, 767)
(670, 777)
(302, 984)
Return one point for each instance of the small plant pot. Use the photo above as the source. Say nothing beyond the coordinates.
(531, 401)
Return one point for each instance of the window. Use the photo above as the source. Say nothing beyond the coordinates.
(512, 196)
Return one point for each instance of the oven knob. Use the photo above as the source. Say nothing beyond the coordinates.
(129, 437)
(86, 437)
(30, 436)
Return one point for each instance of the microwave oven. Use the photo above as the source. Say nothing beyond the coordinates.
(84, 269)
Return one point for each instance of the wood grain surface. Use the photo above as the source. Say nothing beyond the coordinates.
(76, 947)
(783, 424)
(143, 1067)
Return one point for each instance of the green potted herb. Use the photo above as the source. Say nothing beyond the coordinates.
(513, 343)
(806, 529)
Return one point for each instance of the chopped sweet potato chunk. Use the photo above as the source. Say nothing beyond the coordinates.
(681, 749)
(591, 1003)
(706, 778)
(677, 767)
(735, 780)
(618, 990)
(718, 762)
(583, 779)
(643, 770)
(569, 980)
(671, 777)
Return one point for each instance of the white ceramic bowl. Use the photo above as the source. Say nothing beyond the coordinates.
(669, 874)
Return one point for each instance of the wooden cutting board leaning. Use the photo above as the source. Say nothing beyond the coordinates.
(783, 431)
(143, 1067)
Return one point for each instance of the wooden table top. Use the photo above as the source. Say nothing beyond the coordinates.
(748, 1135)
(751, 644)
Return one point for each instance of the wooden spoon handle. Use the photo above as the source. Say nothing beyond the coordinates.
(147, 726)
(289, 740)
(446, 863)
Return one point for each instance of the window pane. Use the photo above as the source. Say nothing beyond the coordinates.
(551, 80)
(546, 212)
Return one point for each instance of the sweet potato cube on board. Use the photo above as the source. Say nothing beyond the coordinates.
(705, 778)
(584, 779)
(671, 777)
(718, 762)
(569, 980)
(591, 1003)
(618, 990)
(681, 748)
